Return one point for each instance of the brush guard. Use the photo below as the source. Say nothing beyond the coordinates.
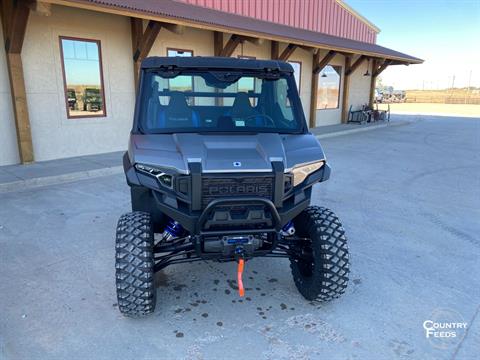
(190, 248)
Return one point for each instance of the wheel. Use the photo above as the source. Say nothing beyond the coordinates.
(134, 264)
(321, 271)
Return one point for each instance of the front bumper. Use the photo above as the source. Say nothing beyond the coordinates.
(221, 215)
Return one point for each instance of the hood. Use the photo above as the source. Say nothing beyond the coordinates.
(224, 153)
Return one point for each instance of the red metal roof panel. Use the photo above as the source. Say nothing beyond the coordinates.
(169, 9)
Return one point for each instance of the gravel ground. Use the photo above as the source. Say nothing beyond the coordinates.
(408, 197)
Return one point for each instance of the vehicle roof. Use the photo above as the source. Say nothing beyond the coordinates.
(211, 62)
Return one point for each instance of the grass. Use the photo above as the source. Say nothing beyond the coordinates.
(448, 96)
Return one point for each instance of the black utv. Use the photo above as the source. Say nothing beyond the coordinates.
(221, 165)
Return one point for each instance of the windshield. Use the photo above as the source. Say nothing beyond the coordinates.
(219, 101)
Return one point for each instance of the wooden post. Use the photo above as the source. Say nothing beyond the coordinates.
(317, 66)
(314, 90)
(274, 51)
(20, 108)
(15, 18)
(142, 42)
(217, 43)
(373, 81)
(355, 65)
(137, 33)
(346, 89)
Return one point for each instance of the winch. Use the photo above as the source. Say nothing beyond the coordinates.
(230, 245)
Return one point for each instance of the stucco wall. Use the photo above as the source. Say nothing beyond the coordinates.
(305, 58)
(53, 134)
(332, 116)
(56, 136)
(8, 134)
(358, 92)
(200, 41)
(360, 86)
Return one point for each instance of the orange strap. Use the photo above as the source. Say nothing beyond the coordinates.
(241, 290)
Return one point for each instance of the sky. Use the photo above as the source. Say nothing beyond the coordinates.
(446, 34)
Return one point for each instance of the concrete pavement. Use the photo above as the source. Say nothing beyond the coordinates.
(408, 197)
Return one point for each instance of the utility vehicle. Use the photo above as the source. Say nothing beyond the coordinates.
(72, 99)
(92, 100)
(221, 165)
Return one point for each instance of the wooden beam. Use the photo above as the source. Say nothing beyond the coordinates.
(355, 65)
(253, 40)
(382, 67)
(373, 82)
(137, 33)
(307, 48)
(231, 45)
(142, 42)
(317, 67)
(5, 13)
(173, 28)
(20, 109)
(346, 91)
(148, 38)
(40, 8)
(17, 25)
(274, 51)
(314, 92)
(15, 18)
(217, 43)
(287, 52)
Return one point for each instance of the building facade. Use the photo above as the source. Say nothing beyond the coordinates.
(68, 71)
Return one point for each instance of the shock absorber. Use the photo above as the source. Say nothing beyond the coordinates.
(172, 230)
(288, 229)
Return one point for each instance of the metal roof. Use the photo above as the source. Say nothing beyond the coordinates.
(197, 16)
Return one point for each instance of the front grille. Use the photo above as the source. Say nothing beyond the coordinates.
(225, 187)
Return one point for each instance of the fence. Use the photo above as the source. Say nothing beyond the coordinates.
(443, 100)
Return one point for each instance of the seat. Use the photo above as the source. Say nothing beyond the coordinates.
(153, 107)
(242, 109)
(178, 114)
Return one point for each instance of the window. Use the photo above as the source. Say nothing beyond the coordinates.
(329, 87)
(297, 72)
(165, 111)
(82, 77)
(179, 52)
(246, 84)
(181, 83)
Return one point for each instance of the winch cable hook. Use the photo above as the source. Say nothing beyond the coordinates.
(241, 265)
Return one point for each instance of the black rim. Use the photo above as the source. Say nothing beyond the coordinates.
(306, 260)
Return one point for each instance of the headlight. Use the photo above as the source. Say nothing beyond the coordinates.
(301, 172)
(162, 177)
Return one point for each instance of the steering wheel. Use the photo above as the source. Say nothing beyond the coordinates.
(267, 118)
